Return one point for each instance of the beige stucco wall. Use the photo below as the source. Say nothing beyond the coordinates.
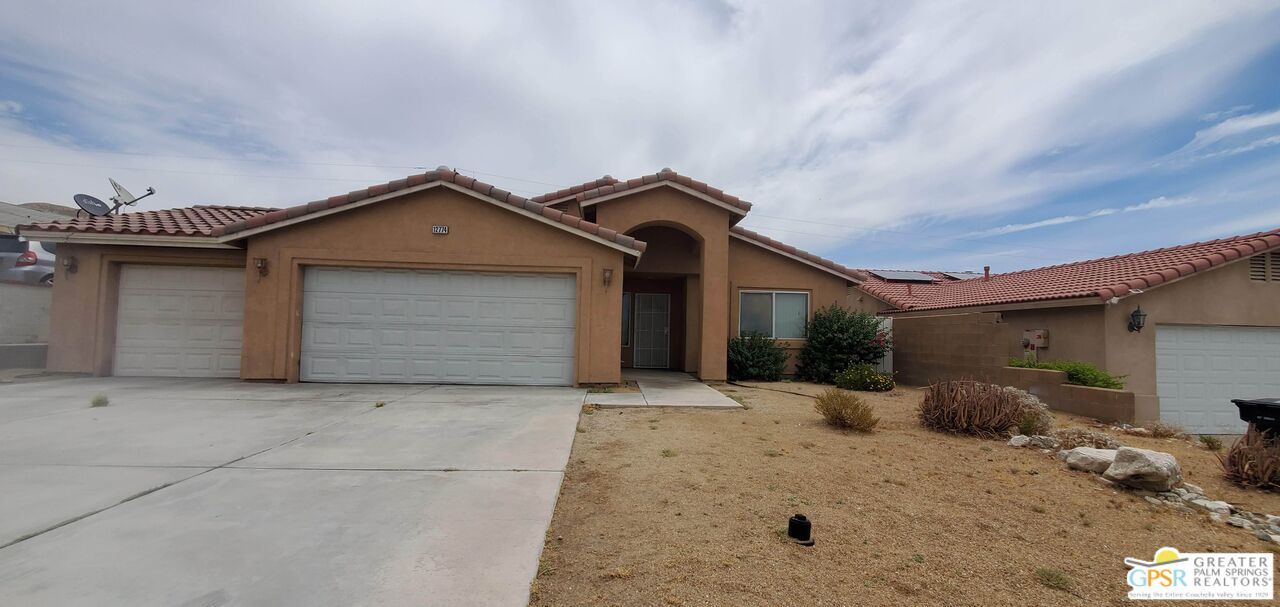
(82, 331)
(752, 267)
(709, 225)
(397, 233)
(1223, 296)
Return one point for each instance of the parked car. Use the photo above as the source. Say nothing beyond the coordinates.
(26, 262)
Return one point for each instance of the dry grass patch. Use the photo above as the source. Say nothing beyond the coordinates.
(703, 528)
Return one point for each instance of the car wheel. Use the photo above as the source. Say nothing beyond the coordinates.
(47, 281)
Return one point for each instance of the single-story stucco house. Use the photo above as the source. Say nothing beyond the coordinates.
(435, 278)
(1211, 330)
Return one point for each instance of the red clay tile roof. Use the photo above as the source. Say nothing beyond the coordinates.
(224, 222)
(199, 220)
(575, 190)
(1101, 278)
(666, 175)
(856, 275)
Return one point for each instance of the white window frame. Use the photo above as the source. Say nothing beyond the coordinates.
(773, 311)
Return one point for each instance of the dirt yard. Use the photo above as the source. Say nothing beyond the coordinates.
(686, 507)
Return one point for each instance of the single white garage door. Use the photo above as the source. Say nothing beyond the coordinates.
(1199, 369)
(410, 326)
(179, 321)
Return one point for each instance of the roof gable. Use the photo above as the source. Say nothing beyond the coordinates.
(220, 225)
(1098, 280)
(737, 207)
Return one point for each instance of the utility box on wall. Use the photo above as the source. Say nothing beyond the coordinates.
(1035, 339)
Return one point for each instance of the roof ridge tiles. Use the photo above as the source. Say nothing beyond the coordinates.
(665, 175)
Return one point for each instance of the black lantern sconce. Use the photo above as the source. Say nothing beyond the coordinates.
(1137, 320)
(69, 264)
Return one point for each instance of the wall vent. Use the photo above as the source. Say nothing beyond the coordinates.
(1274, 271)
(1258, 267)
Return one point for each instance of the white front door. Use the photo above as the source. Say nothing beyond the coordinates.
(1199, 369)
(653, 331)
(414, 326)
(179, 321)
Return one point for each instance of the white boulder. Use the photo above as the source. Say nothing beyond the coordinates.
(1020, 440)
(1088, 459)
(1144, 469)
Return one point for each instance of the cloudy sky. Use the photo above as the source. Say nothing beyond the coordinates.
(943, 135)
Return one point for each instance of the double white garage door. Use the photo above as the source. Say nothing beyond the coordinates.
(371, 325)
(1199, 369)
(358, 325)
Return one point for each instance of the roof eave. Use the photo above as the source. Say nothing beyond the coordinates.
(853, 279)
(141, 240)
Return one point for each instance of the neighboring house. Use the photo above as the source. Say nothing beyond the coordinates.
(1212, 326)
(433, 278)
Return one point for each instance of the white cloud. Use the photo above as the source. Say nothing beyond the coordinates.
(8, 106)
(1232, 127)
(855, 114)
(1234, 110)
(1162, 202)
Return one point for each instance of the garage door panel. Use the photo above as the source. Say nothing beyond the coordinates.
(179, 321)
(1199, 369)
(438, 327)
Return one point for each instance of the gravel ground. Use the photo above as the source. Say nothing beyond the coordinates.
(687, 507)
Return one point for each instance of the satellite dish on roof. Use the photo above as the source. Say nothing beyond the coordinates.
(123, 196)
(92, 205)
(97, 208)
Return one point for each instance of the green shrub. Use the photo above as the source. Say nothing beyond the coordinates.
(1211, 442)
(864, 377)
(756, 356)
(99, 400)
(1164, 430)
(845, 410)
(1078, 372)
(837, 338)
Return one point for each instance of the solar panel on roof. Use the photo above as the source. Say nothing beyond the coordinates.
(961, 275)
(903, 276)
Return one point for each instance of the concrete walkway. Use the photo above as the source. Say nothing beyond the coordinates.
(664, 389)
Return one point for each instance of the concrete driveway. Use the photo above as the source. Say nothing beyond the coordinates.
(218, 492)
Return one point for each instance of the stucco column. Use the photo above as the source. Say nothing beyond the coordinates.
(715, 306)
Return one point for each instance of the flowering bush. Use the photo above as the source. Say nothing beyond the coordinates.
(837, 338)
(864, 377)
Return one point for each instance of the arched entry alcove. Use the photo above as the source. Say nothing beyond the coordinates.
(661, 305)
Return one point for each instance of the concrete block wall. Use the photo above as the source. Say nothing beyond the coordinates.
(928, 349)
(24, 313)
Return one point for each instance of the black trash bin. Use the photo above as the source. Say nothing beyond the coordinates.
(1262, 413)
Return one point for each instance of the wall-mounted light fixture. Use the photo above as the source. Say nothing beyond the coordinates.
(261, 264)
(608, 276)
(69, 264)
(1137, 320)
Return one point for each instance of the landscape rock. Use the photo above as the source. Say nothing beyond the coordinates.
(1144, 469)
(1214, 506)
(1020, 441)
(1193, 488)
(1217, 517)
(1241, 522)
(1262, 535)
(1088, 459)
(1044, 442)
